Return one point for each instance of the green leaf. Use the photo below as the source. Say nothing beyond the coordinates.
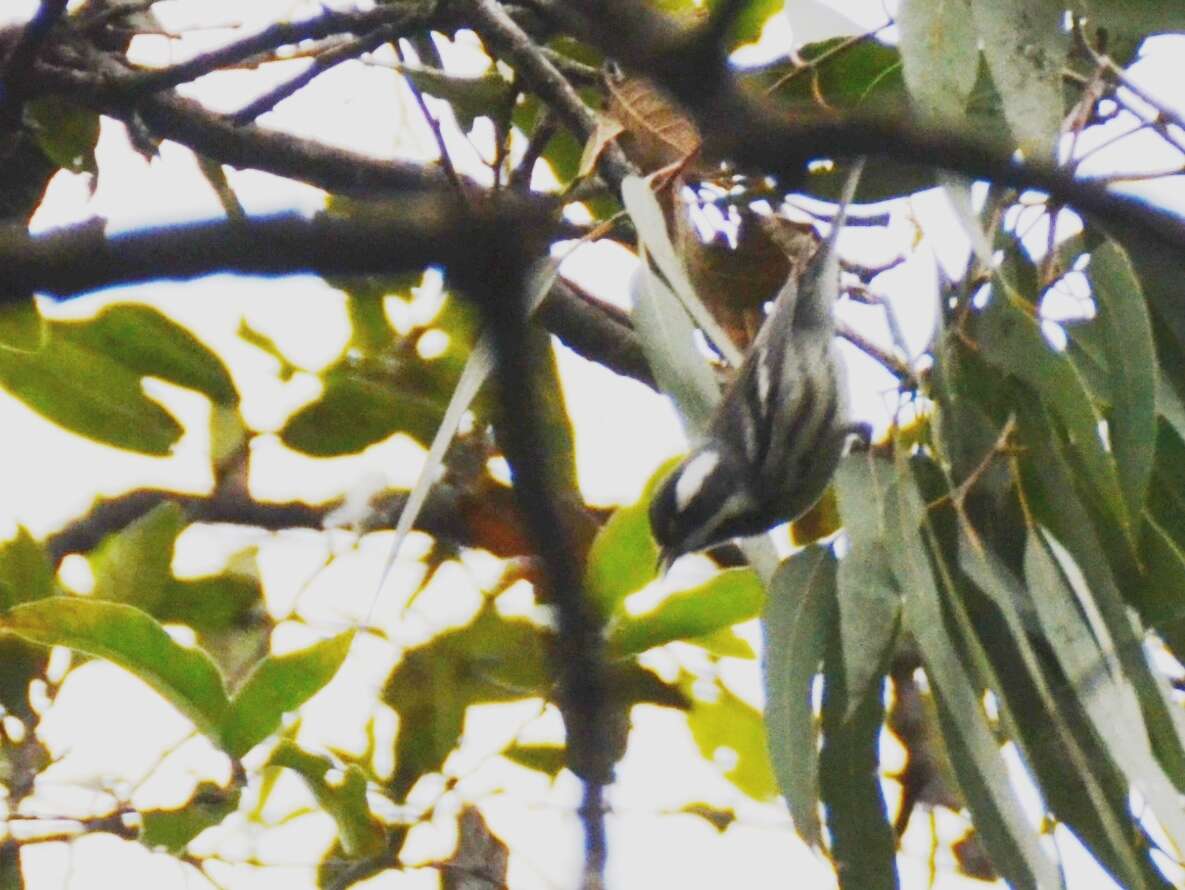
(1026, 46)
(547, 759)
(869, 599)
(975, 755)
(939, 57)
(66, 132)
(1074, 773)
(1012, 340)
(150, 343)
(1131, 357)
(839, 73)
(172, 830)
(728, 598)
(492, 659)
(863, 844)
(134, 641)
(731, 733)
(623, 557)
(26, 575)
(134, 565)
(800, 613)
(1105, 684)
(90, 393)
(1132, 17)
(277, 685)
(469, 97)
(88, 376)
(369, 397)
(360, 833)
(750, 21)
(22, 327)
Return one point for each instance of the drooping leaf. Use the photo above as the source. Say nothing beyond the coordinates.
(668, 340)
(1075, 774)
(277, 685)
(655, 241)
(728, 598)
(1109, 672)
(800, 613)
(134, 641)
(868, 596)
(1025, 45)
(1131, 358)
(1013, 342)
(863, 846)
(975, 755)
(344, 799)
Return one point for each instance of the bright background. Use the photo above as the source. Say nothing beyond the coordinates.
(115, 739)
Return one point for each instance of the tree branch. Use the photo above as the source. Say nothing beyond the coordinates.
(757, 136)
(420, 230)
(18, 67)
(497, 277)
(504, 36)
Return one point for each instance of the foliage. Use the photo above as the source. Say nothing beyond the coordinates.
(1001, 572)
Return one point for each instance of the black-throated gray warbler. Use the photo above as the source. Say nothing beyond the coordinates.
(776, 437)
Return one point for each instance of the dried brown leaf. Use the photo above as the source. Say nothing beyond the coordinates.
(656, 134)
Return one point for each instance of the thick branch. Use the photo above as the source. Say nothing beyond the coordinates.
(418, 231)
(497, 277)
(439, 516)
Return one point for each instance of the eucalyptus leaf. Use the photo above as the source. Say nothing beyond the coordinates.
(1026, 45)
(993, 802)
(1131, 358)
(799, 617)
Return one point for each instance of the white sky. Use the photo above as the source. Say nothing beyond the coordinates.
(113, 727)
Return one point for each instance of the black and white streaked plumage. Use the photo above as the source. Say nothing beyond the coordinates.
(776, 437)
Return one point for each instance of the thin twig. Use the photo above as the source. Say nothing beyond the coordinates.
(891, 363)
(446, 162)
(545, 129)
(316, 68)
(329, 23)
(505, 37)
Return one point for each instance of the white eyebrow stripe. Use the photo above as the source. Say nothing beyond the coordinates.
(763, 380)
(691, 480)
